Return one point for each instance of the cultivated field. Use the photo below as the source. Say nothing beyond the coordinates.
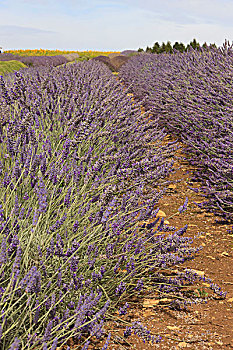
(95, 204)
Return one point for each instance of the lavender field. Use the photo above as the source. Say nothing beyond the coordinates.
(35, 61)
(82, 170)
(191, 95)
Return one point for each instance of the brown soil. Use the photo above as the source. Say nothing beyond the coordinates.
(113, 54)
(118, 61)
(206, 325)
(71, 56)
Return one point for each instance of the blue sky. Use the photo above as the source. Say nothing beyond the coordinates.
(112, 25)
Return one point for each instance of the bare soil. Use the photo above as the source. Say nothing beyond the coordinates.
(207, 325)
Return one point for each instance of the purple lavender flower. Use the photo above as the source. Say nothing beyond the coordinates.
(58, 224)
(184, 206)
(34, 283)
(16, 171)
(15, 345)
(16, 264)
(75, 227)
(87, 282)
(71, 305)
(91, 263)
(42, 196)
(59, 278)
(54, 345)
(50, 249)
(121, 288)
(123, 310)
(2, 217)
(6, 180)
(29, 212)
(102, 270)
(74, 263)
(107, 342)
(85, 346)
(3, 253)
(67, 198)
(139, 285)
(21, 214)
(142, 332)
(152, 224)
(59, 246)
(182, 230)
(43, 166)
(47, 334)
(35, 217)
(36, 312)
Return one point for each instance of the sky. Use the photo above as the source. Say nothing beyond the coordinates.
(112, 25)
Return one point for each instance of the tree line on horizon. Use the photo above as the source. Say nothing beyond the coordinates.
(178, 46)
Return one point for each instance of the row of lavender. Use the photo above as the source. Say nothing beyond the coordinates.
(192, 95)
(35, 61)
(75, 164)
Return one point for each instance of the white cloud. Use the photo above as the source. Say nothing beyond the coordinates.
(207, 11)
(11, 30)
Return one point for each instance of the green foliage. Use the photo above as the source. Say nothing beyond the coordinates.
(133, 54)
(213, 45)
(201, 293)
(156, 47)
(148, 49)
(10, 66)
(177, 46)
(194, 44)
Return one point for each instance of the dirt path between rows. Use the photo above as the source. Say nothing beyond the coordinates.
(207, 325)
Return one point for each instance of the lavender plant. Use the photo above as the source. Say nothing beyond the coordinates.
(36, 61)
(191, 94)
(76, 163)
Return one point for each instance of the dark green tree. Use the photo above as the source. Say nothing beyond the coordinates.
(205, 46)
(163, 47)
(156, 48)
(213, 46)
(179, 46)
(168, 47)
(182, 47)
(176, 46)
(194, 44)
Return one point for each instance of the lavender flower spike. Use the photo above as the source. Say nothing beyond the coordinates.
(15, 345)
(85, 346)
(107, 342)
(183, 207)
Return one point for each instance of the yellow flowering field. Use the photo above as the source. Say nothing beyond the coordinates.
(42, 52)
